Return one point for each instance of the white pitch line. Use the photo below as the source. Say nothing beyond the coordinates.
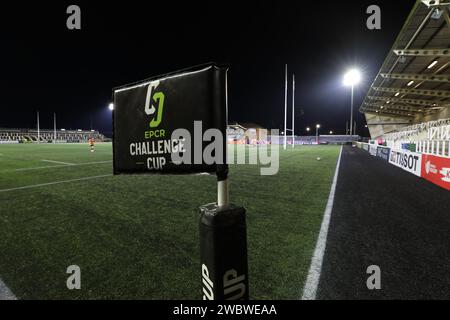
(5, 292)
(60, 162)
(312, 282)
(63, 165)
(53, 183)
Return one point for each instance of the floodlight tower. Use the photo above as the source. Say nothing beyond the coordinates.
(351, 79)
(317, 133)
(38, 128)
(54, 127)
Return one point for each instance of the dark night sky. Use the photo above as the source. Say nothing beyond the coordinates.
(46, 67)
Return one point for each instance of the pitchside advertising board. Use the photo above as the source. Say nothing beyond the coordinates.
(409, 161)
(383, 153)
(437, 170)
(373, 150)
(163, 125)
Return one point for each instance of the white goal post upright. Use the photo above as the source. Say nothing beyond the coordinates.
(285, 107)
(293, 111)
(292, 130)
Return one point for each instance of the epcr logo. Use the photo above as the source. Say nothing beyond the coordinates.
(150, 109)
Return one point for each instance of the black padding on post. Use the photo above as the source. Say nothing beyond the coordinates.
(223, 248)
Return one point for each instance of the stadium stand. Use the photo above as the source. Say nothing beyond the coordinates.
(47, 136)
(407, 108)
(430, 138)
(247, 133)
(236, 134)
(413, 85)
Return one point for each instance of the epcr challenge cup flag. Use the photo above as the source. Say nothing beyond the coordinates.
(172, 124)
(176, 124)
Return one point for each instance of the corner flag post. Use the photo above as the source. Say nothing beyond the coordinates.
(223, 194)
(223, 243)
(197, 95)
(223, 249)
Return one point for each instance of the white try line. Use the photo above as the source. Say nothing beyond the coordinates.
(63, 165)
(312, 282)
(5, 292)
(53, 183)
(59, 162)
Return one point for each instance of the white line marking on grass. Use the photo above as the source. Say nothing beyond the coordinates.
(312, 282)
(59, 162)
(64, 165)
(53, 183)
(5, 292)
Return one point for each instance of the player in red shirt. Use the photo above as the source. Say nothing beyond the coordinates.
(92, 144)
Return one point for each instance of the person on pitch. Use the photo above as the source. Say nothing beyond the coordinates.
(92, 144)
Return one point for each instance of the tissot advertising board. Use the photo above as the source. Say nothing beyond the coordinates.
(172, 124)
(409, 161)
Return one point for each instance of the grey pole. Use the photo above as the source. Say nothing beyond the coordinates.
(317, 135)
(351, 114)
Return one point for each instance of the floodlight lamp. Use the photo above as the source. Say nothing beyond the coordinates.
(352, 78)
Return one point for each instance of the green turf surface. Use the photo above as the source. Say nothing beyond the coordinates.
(136, 237)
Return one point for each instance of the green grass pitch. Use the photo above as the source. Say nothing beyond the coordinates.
(136, 237)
